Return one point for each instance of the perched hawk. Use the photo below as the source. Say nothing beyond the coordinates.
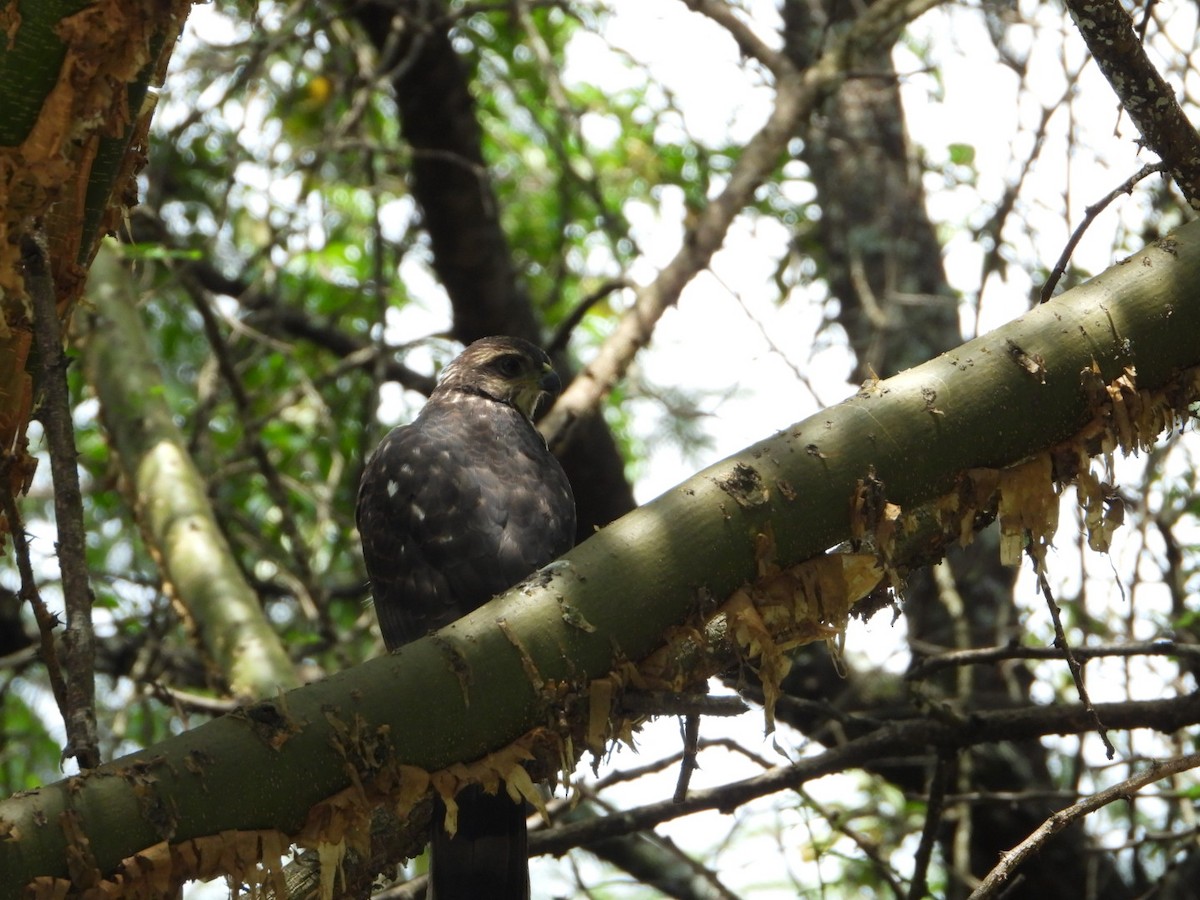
(453, 509)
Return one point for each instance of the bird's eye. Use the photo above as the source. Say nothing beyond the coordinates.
(508, 365)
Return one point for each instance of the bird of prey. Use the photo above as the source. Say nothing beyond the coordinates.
(454, 508)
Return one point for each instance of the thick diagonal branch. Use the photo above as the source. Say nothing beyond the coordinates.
(198, 566)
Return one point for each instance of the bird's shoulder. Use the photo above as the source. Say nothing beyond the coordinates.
(464, 461)
(453, 434)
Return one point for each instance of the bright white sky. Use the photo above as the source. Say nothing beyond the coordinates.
(713, 342)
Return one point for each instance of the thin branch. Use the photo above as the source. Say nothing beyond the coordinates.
(307, 585)
(674, 703)
(576, 175)
(1089, 215)
(1143, 92)
(993, 260)
(772, 345)
(186, 701)
(689, 729)
(632, 773)
(79, 640)
(269, 319)
(797, 95)
(1060, 641)
(749, 43)
(979, 656)
(46, 620)
(1125, 790)
(896, 740)
(934, 809)
(19, 659)
(868, 846)
(652, 859)
(562, 334)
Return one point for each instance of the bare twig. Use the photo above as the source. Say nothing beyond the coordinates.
(993, 260)
(623, 776)
(1143, 92)
(765, 333)
(79, 640)
(576, 173)
(1089, 215)
(562, 333)
(986, 655)
(1125, 790)
(186, 701)
(749, 43)
(1060, 641)
(934, 808)
(868, 846)
(797, 95)
(897, 740)
(272, 321)
(46, 620)
(689, 729)
(307, 587)
(673, 703)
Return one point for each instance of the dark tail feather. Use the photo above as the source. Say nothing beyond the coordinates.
(488, 857)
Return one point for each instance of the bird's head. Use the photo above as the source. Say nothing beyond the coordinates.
(506, 369)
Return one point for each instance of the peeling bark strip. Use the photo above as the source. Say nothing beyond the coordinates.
(1143, 92)
(75, 76)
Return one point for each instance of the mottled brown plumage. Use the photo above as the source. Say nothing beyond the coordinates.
(453, 509)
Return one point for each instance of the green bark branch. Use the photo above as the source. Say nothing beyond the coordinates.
(475, 687)
(169, 494)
